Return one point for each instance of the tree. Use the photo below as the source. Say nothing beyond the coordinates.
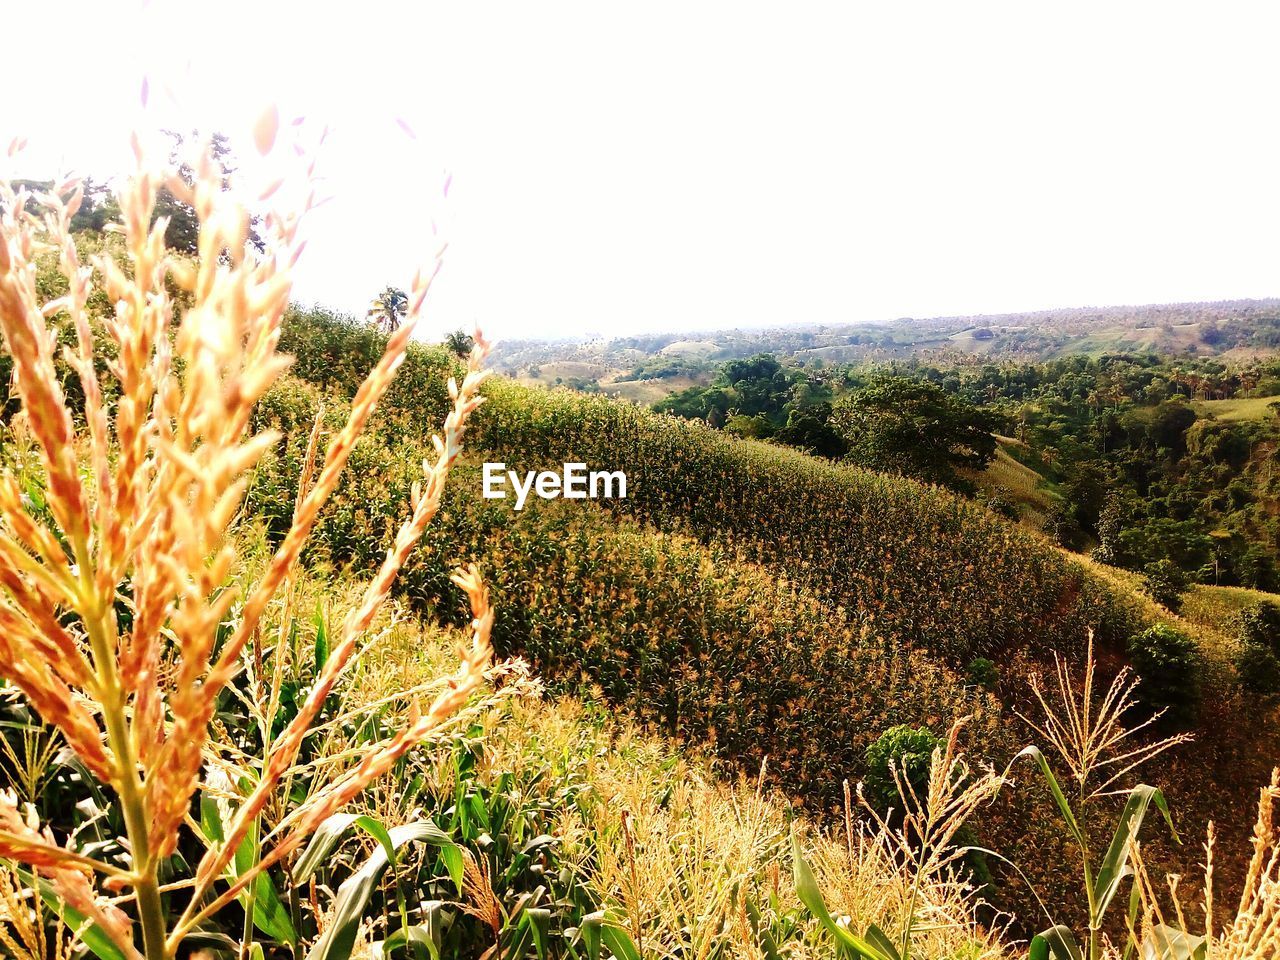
(916, 428)
(183, 230)
(1165, 583)
(98, 206)
(459, 343)
(809, 428)
(1170, 423)
(1168, 665)
(388, 309)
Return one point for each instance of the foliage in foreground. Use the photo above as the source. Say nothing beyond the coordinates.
(116, 621)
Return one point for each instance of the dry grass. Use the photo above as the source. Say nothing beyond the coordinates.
(1215, 610)
(1091, 732)
(676, 853)
(23, 926)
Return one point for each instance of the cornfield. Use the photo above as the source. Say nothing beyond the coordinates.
(217, 689)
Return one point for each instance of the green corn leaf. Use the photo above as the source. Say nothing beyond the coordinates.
(330, 832)
(517, 940)
(878, 938)
(210, 820)
(270, 915)
(538, 920)
(807, 890)
(451, 854)
(767, 944)
(619, 942)
(322, 638)
(1115, 865)
(1058, 796)
(429, 933)
(354, 894)
(321, 844)
(589, 932)
(375, 829)
(598, 928)
(1056, 942)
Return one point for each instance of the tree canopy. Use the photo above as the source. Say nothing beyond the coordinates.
(388, 309)
(916, 428)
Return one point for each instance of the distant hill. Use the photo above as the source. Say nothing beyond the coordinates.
(1232, 328)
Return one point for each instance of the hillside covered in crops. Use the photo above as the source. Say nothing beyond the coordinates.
(753, 599)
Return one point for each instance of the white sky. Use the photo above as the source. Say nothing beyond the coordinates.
(667, 166)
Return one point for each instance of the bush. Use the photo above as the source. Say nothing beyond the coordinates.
(1061, 526)
(1260, 627)
(1165, 583)
(903, 749)
(983, 673)
(1259, 670)
(1001, 507)
(1168, 662)
(1258, 663)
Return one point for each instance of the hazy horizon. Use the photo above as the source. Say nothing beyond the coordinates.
(886, 321)
(618, 171)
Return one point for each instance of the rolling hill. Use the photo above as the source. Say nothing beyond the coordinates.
(751, 598)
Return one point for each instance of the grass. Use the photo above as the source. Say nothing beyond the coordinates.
(1235, 411)
(676, 848)
(1214, 610)
(689, 348)
(647, 392)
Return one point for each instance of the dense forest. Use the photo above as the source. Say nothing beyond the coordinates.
(1152, 463)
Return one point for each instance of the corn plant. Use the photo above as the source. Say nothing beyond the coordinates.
(119, 618)
(1092, 738)
(920, 846)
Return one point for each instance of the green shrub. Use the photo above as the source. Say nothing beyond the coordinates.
(1001, 507)
(1165, 583)
(1167, 662)
(982, 673)
(1258, 662)
(906, 750)
(1258, 669)
(1260, 626)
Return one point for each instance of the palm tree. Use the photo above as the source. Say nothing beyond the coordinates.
(388, 309)
(460, 343)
